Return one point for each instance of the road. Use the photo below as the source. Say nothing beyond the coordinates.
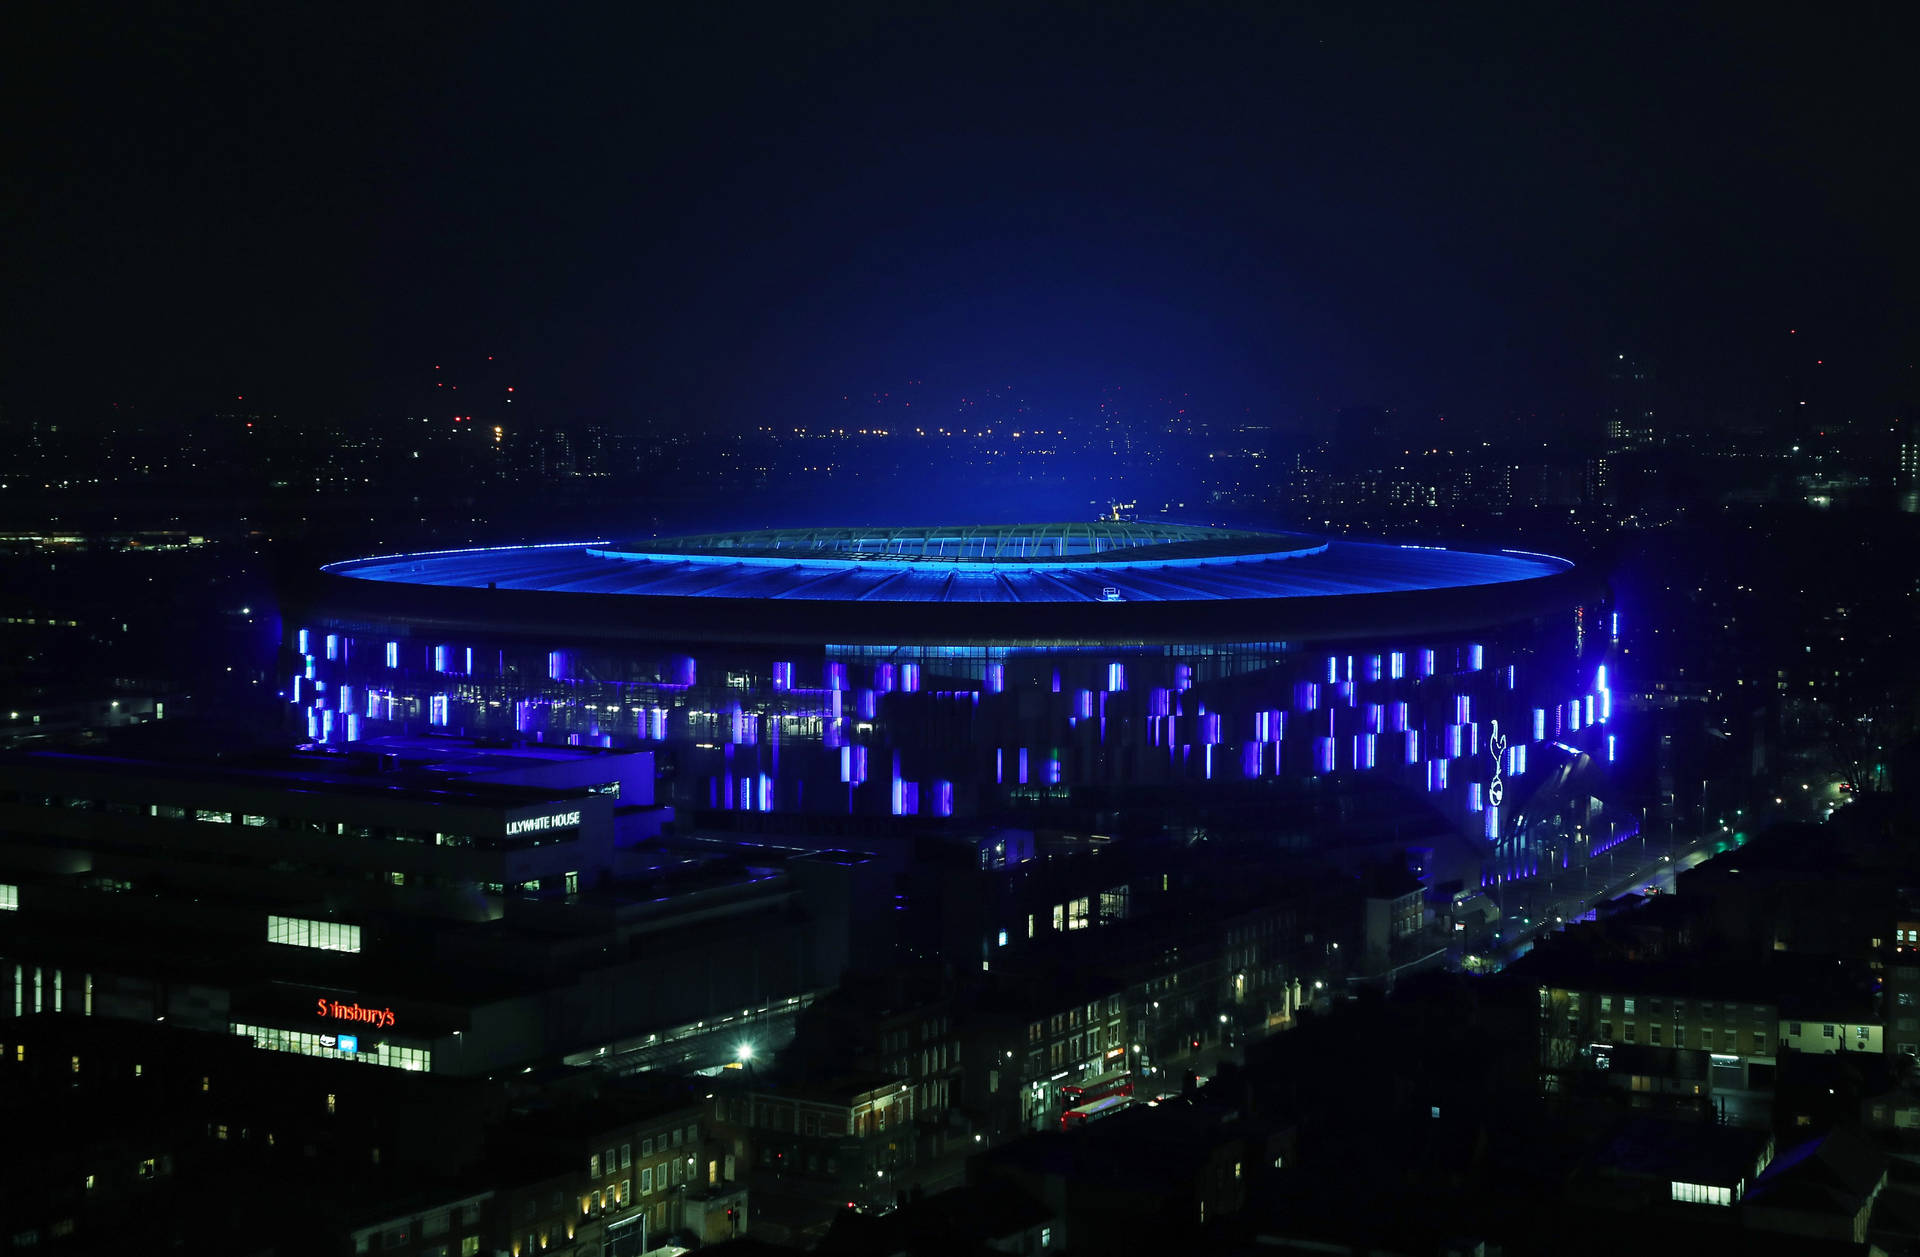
(1532, 910)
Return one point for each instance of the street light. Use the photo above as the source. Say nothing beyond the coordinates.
(745, 1053)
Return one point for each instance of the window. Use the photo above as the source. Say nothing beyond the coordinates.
(1628, 1036)
(646, 1182)
(1860, 1033)
(1706, 1038)
(321, 935)
(646, 1147)
(1759, 1040)
(1046, 1236)
(1606, 1003)
(626, 1155)
(1653, 1035)
(1826, 1032)
(593, 1166)
(9, 897)
(435, 1224)
(470, 1246)
(1793, 1028)
(1606, 1030)
(626, 1191)
(1626, 1005)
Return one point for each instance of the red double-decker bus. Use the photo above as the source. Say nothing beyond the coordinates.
(1073, 1095)
(1094, 1110)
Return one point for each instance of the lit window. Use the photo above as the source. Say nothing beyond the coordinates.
(320, 935)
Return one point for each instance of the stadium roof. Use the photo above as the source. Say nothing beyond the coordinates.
(1083, 584)
(1047, 563)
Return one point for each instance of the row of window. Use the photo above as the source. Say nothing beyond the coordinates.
(1724, 1041)
(336, 829)
(608, 1161)
(37, 989)
(1628, 1005)
(661, 1177)
(1829, 1032)
(321, 935)
(1702, 1194)
(337, 1046)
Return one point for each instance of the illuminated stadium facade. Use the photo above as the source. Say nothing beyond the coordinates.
(848, 676)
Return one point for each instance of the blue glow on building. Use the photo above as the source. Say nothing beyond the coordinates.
(1137, 710)
(1243, 565)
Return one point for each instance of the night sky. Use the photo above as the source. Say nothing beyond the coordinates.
(731, 210)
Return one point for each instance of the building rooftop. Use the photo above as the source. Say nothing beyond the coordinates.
(1687, 1152)
(1093, 562)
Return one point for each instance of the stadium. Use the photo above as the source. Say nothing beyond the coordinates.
(869, 678)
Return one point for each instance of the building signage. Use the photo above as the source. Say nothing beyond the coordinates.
(535, 824)
(1497, 747)
(378, 1018)
(349, 1043)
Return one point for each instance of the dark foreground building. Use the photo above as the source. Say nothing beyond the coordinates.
(850, 676)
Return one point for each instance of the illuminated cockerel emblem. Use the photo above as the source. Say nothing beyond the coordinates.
(1497, 747)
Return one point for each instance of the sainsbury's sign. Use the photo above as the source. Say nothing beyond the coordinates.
(334, 1010)
(534, 824)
